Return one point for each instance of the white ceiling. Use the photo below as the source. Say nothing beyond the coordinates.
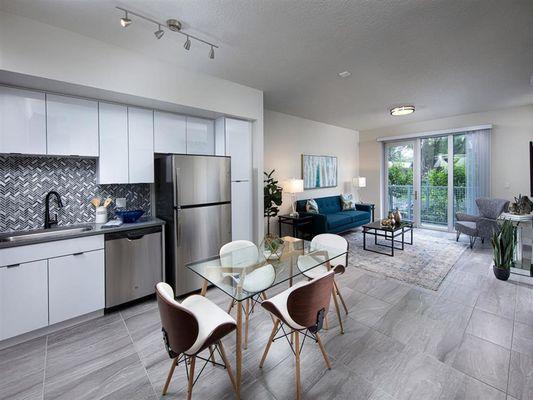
(446, 57)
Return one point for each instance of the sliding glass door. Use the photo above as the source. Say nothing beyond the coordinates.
(431, 178)
(400, 178)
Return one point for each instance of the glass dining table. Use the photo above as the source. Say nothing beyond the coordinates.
(247, 272)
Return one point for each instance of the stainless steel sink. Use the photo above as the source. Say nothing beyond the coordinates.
(44, 233)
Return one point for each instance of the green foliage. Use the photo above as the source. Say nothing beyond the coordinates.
(459, 175)
(398, 175)
(437, 177)
(503, 245)
(272, 197)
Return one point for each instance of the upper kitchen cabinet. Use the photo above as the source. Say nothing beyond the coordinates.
(22, 121)
(200, 136)
(141, 145)
(113, 160)
(71, 126)
(170, 133)
(238, 135)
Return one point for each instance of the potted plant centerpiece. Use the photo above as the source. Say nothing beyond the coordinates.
(503, 246)
(272, 245)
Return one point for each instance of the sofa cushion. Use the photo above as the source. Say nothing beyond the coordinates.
(356, 216)
(329, 205)
(338, 219)
(347, 202)
(311, 206)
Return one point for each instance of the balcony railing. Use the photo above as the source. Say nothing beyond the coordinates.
(433, 202)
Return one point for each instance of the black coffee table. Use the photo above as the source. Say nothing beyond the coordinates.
(390, 233)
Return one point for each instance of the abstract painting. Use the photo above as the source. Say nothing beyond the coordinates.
(319, 171)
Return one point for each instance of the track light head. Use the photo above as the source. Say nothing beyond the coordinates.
(125, 21)
(212, 53)
(159, 33)
(187, 44)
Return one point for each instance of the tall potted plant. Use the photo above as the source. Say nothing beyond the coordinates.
(272, 197)
(503, 246)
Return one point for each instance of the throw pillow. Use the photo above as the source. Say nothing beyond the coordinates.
(311, 206)
(347, 202)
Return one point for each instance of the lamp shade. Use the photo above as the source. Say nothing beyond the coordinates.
(293, 185)
(359, 181)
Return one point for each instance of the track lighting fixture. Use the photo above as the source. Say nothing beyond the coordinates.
(125, 21)
(173, 25)
(159, 33)
(187, 44)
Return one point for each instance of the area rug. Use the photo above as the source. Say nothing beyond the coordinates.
(426, 263)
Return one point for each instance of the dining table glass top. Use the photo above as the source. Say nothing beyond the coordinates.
(243, 269)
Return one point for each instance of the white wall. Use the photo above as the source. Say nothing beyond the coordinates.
(32, 48)
(288, 137)
(511, 133)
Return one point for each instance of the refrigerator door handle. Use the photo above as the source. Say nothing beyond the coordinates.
(177, 188)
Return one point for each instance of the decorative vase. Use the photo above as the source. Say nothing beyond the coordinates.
(501, 273)
(272, 247)
(397, 217)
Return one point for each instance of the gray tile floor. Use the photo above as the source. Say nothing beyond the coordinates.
(472, 339)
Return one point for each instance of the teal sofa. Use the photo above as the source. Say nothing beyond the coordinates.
(331, 218)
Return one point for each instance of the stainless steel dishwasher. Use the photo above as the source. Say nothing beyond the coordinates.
(133, 264)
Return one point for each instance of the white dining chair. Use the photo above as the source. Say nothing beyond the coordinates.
(318, 253)
(190, 327)
(239, 256)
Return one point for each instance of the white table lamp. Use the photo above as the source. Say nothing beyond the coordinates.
(293, 186)
(359, 182)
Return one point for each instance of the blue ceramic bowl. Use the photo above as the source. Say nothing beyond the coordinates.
(129, 216)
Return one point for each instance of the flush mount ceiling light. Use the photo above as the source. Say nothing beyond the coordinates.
(172, 25)
(344, 74)
(402, 110)
(125, 21)
(159, 33)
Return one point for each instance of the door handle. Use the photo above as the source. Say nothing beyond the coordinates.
(134, 237)
(416, 195)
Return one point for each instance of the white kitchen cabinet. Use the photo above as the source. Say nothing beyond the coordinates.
(76, 285)
(22, 121)
(141, 145)
(239, 148)
(200, 136)
(241, 211)
(71, 126)
(170, 133)
(23, 298)
(113, 159)
(220, 136)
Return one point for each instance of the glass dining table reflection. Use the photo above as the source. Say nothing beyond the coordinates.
(247, 272)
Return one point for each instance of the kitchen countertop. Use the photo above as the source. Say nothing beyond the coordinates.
(96, 229)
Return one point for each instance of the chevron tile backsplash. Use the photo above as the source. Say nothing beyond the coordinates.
(24, 182)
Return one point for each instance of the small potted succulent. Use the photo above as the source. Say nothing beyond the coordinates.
(503, 247)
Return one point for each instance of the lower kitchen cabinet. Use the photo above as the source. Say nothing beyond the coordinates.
(23, 298)
(76, 284)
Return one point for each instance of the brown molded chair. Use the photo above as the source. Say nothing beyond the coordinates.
(190, 327)
(301, 309)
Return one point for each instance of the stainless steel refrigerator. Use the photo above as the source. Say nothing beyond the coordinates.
(193, 196)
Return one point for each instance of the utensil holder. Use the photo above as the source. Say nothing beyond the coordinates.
(101, 215)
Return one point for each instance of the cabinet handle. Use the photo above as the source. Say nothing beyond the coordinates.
(13, 266)
(78, 254)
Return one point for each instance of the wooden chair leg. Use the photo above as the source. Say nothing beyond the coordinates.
(227, 364)
(297, 352)
(326, 322)
(246, 323)
(340, 297)
(269, 343)
(191, 378)
(212, 355)
(170, 373)
(323, 350)
(337, 309)
(231, 304)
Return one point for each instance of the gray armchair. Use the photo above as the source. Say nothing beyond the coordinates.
(484, 225)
